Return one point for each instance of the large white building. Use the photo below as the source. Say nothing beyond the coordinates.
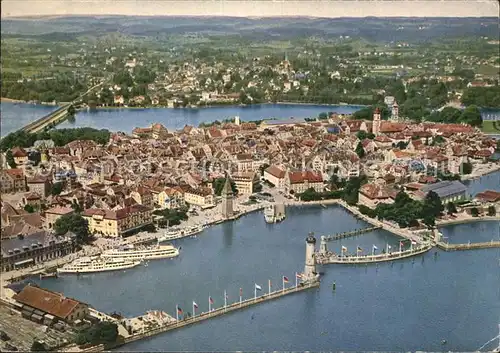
(275, 176)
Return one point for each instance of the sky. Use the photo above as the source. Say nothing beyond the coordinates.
(254, 8)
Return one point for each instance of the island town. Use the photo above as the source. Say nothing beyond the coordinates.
(67, 201)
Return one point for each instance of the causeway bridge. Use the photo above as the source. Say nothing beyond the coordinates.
(52, 118)
(56, 116)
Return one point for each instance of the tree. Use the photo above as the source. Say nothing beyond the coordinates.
(73, 223)
(472, 116)
(474, 212)
(38, 347)
(360, 151)
(432, 206)
(71, 110)
(57, 188)
(451, 208)
(218, 185)
(262, 168)
(492, 211)
(104, 332)
(466, 168)
(29, 208)
(10, 159)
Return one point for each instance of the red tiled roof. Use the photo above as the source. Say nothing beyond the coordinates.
(19, 152)
(275, 171)
(50, 302)
(301, 177)
(15, 173)
(489, 196)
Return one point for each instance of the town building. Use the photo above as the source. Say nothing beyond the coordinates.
(42, 305)
(115, 223)
(448, 191)
(24, 251)
(40, 185)
(142, 196)
(171, 198)
(202, 197)
(372, 194)
(20, 156)
(298, 182)
(12, 180)
(245, 182)
(54, 213)
(275, 176)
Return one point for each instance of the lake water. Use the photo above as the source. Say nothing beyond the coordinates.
(475, 232)
(18, 115)
(486, 182)
(410, 304)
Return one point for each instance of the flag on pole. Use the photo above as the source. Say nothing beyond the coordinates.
(374, 247)
(344, 248)
(298, 275)
(179, 310)
(359, 249)
(241, 294)
(210, 303)
(210, 300)
(285, 279)
(269, 287)
(195, 305)
(225, 299)
(256, 288)
(414, 242)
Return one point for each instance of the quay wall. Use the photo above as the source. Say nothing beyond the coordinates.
(471, 246)
(468, 220)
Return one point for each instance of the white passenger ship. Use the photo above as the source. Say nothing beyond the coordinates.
(97, 264)
(154, 252)
(180, 233)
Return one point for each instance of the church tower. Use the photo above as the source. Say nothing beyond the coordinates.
(227, 199)
(395, 111)
(310, 274)
(376, 122)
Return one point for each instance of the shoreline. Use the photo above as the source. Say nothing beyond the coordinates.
(232, 105)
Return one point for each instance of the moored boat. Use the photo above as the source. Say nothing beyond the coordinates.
(131, 252)
(97, 264)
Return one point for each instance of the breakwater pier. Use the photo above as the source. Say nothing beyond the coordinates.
(330, 258)
(215, 313)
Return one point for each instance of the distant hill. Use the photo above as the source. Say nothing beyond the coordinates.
(370, 28)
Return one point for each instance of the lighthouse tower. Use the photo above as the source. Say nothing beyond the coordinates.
(310, 273)
(376, 122)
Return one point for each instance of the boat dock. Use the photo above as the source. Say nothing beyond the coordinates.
(330, 258)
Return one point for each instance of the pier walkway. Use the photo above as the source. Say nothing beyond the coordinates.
(403, 233)
(218, 312)
(352, 233)
(331, 258)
